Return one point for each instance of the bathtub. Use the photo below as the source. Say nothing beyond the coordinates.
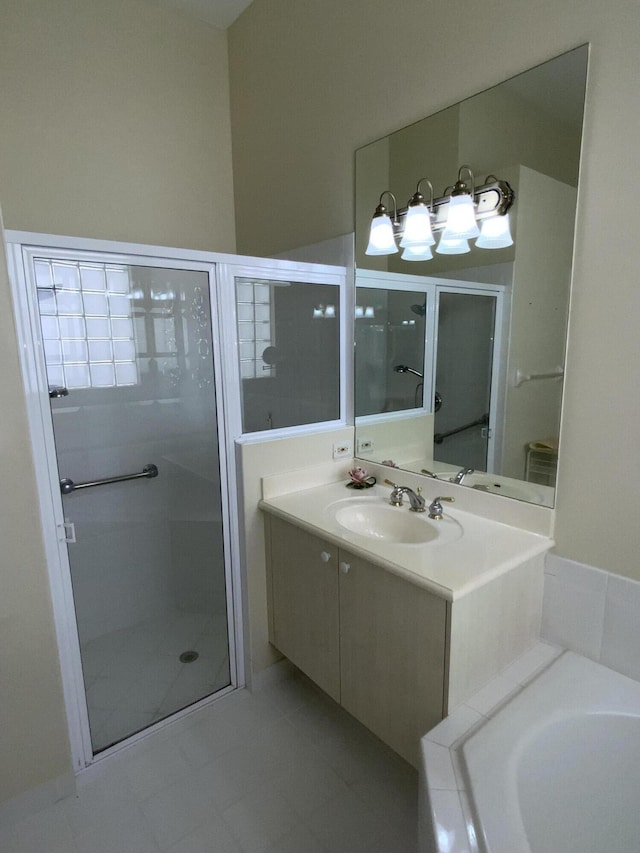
(555, 770)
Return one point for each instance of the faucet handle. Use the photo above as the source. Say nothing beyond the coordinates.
(395, 498)
(429, 473)
(435, 507)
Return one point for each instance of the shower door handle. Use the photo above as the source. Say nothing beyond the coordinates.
(67, 485)
(67, 532)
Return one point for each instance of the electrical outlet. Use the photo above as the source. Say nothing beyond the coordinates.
(364, 445)
(340, 450)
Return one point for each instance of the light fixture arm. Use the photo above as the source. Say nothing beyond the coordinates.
(418, 198)
(461, 187)
(381, 210)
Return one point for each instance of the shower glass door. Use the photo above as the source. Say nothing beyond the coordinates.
(464, 369)
(129, 360)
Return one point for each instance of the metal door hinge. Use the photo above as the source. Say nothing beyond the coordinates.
(486, 432)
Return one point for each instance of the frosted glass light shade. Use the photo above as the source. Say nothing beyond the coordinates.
(452, 246)
(461, 219)
(417, 227)
(381, 239)
(495, 233)
(417, 253)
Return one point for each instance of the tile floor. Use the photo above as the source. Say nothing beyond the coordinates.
(134, 676)
(280, 770)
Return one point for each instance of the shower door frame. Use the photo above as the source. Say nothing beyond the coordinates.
(22, 248)
(498, 377)
(432, 286)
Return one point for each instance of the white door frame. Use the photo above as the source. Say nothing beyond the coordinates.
(432, 286)
(276, 271)
(419, 284)
(498, 376)
(22, 247)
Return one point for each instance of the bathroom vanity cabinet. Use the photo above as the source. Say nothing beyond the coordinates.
(398, 634)
(375, 642)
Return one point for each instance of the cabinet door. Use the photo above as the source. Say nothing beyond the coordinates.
(304, 615)
(392, 652)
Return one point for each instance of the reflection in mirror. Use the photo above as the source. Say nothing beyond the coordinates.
(464, 366)
(390, 330)
(289, 352)
(475, 382)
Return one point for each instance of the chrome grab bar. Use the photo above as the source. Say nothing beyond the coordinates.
(439, 437)
(67, 485)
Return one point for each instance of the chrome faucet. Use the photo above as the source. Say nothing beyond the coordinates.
(462, 473)
(435, 507)
(418, 503)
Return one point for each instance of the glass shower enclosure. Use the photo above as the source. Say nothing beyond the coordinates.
(129, 353)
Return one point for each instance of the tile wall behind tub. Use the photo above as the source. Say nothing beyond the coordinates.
(593, 612)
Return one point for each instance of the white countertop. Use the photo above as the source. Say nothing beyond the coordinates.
(485, 550)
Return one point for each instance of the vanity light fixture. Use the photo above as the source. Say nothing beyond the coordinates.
(457, 215)
(321, 312)
(365, 311)
(461, 212)
(417, 253)
(453, 246)
(417, 224)
(495, 233)
(381, 237)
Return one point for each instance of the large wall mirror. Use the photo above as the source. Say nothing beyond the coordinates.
(461, 333)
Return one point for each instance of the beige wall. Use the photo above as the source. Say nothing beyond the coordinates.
(33, 730)
(499, 129)
(539, 306)
(312, 82)
(115, 123)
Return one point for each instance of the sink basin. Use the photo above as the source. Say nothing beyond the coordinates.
(376, 519)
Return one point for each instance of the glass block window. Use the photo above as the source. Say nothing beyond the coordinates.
(87, 324)
(255, 327)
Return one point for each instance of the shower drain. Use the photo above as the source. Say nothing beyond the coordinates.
(188, 657)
